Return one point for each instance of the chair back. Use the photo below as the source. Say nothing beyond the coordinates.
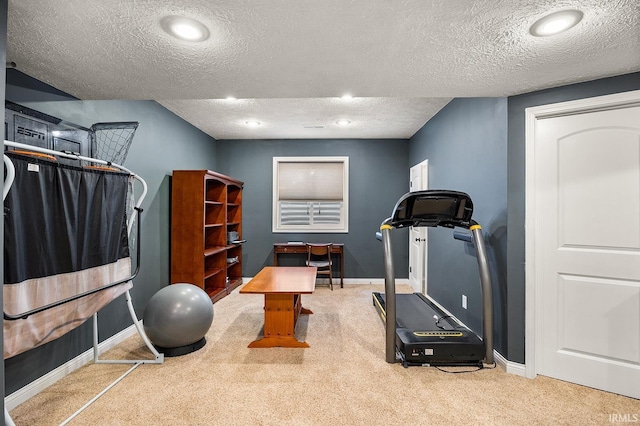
(319, 255)
(319, 249)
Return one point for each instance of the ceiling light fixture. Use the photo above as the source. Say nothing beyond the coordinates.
(556, 23)
(184, 28)
(252, 123)
(231, 98)
(346, 97)
(343, 122)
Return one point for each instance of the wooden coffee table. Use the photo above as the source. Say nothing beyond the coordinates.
(283, 287)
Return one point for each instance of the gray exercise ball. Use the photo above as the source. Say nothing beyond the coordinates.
(178, 315)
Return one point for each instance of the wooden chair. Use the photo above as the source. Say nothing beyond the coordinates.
(319, 255)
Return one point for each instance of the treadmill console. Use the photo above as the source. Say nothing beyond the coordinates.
(433, 208)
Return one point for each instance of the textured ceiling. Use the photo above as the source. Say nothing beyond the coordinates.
(288, 62)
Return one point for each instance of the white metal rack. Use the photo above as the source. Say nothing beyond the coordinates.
(158, 358)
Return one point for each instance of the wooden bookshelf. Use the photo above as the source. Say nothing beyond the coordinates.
(205, 207)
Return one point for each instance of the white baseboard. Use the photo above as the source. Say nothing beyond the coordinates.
(38, 385)
(379, 281)
(510, 366)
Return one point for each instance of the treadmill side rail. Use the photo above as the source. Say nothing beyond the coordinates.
(487, 293)
(390, 289)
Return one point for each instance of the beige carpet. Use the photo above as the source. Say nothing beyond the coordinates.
(342, 379)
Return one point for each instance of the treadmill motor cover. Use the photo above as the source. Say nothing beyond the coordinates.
(459, 347)
(425, 335)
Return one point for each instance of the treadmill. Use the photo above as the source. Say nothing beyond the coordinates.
(418, 331)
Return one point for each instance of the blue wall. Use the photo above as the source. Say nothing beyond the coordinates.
(466, 145)
(162, 143)
(516, 189)
(468, 151)
(378, 176)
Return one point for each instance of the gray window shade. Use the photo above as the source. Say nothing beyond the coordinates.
(311, 181)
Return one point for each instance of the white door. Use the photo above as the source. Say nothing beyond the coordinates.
(586, 245)
(418, 236)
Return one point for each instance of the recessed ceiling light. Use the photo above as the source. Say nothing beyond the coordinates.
(343, 122)
(185, 28)
(555, 23)
(346, 97)
(231, 98)
(252, 123)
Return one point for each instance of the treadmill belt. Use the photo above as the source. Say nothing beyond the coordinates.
(408, 304)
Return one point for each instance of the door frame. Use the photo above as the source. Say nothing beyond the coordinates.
(424, 177)
(532, 296)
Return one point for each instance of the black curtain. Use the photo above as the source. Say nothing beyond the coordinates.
(61, 218)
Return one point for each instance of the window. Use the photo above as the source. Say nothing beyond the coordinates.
(310, 194)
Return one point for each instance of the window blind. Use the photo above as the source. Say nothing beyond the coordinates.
(310, 213)
(310, 194)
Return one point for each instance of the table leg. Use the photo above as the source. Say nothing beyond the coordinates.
(341, 269)
(280, 316)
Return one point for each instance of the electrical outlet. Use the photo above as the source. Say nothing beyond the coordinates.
(464, 301)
